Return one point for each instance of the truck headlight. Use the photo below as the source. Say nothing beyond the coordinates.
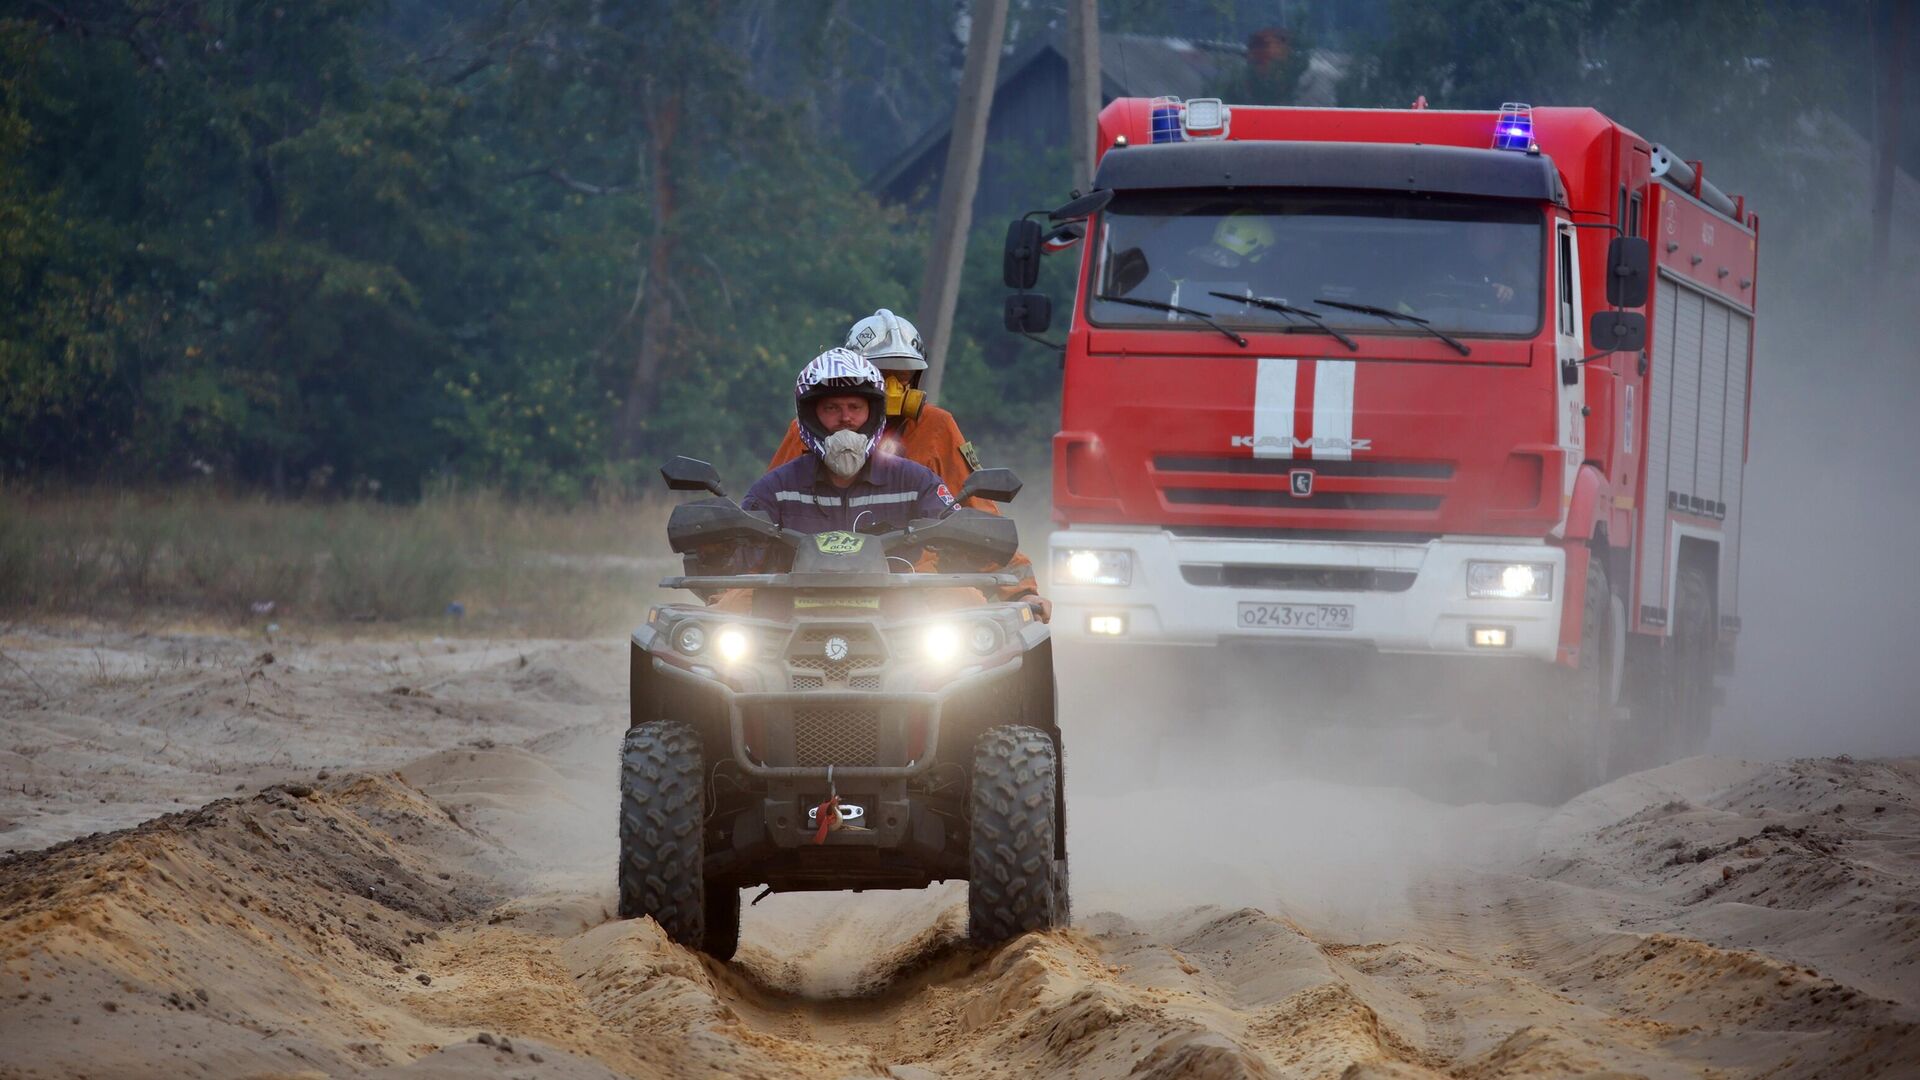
(1087, 566)
(1509, 581)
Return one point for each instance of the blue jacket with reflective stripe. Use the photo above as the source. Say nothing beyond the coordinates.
(889, 491)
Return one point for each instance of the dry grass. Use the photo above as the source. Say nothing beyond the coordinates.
(513, 567)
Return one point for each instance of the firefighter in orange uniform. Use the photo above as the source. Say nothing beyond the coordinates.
(917, 430)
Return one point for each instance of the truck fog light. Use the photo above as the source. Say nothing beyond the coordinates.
(690, 639)
(1107, 625)
(942, 643)
(731, 642)
(1085, 566)
(1509, 581)
(1489, 637)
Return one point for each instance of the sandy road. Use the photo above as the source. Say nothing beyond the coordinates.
(450, 876)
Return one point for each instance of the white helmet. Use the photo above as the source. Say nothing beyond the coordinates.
(891, 342)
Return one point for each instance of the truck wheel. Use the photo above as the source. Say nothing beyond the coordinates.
(1013, 881)
(1561, 741)
(1690, 677)
(661, 816)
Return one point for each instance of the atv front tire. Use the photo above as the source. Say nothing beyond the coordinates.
(1014, 883)
(662, 810)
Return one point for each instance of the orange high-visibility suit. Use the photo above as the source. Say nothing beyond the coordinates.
(933, 439)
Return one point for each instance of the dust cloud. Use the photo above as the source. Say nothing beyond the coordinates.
(1828, 598)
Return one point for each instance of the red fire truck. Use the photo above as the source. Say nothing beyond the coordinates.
(1456, 392)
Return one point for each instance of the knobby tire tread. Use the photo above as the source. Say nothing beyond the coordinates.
(661, 820)
(1012, 882)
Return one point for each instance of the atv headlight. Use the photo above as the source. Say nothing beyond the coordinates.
(690, 638)
(941, 643)
(731, 642)
(1510, 581)
(985, 637)
(1088, 566)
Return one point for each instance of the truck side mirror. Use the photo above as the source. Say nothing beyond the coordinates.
(996, 485)
(1029, 313)
(1628, 258)
(1021, 265)
(1083, 207)
(1618, 331)
(692, 474)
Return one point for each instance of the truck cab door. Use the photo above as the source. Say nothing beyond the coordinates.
(1572, 424)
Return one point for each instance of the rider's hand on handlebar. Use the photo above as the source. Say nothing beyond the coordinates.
(1042, 607)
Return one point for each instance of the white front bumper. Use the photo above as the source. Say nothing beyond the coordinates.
(1434, 615)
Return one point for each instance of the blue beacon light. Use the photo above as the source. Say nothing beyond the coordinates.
(1514, 129)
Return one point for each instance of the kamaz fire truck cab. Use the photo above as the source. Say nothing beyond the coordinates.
(1380, 382)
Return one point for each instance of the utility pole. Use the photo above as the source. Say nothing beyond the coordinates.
(1083, 87)
(966, 145)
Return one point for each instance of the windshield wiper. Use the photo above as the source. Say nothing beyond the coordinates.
(1389, 313)
(1178, 310)
(1285, 308)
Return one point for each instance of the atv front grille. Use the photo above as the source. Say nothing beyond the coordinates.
(836, 735)
(832, 670)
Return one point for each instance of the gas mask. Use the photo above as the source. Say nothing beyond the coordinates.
(844, 452)
(903, 401)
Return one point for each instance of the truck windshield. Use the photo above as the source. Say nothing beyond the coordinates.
(1468, 266)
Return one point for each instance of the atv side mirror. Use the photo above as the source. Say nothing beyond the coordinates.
(1617, 331)
(1083, 207)
(995, 485)
(1028, 313)
(1627, 260)
(692, 474)
(1020, 266)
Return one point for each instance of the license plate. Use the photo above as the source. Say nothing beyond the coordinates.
(1255, 616)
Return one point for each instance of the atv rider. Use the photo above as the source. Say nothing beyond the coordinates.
(841, 484)
(918, 430)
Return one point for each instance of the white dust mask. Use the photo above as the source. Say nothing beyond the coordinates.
(845, 451)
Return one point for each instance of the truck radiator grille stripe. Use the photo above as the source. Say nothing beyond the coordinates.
(1273, 396)
(1333, 410)
(1319, 500)
(1413, 470)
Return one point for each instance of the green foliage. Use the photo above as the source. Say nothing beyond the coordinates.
(283, 246)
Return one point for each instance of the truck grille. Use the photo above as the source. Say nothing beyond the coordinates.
(1301, 578)
(1243, 466)
(1248, 482)
(1319, 500)
(836, 735)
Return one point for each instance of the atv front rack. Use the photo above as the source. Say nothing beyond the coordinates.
(739, 701)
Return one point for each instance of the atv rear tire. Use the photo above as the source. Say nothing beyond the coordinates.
(1014, 883)
(662, 811)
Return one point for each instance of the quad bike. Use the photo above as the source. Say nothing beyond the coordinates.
(843, 725)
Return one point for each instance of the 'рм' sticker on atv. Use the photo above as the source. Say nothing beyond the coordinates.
(839, 543)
